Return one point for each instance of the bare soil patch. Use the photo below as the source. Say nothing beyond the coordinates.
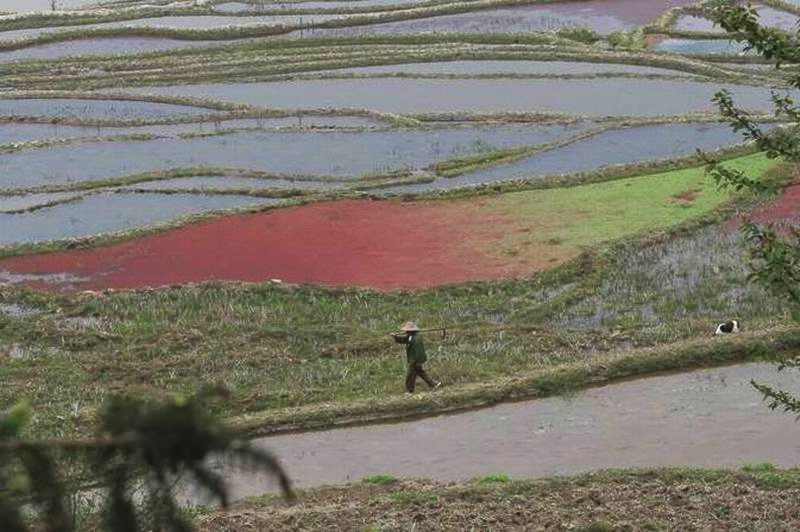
(647, 500)
(686, 197)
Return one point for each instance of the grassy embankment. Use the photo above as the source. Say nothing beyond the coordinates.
(313, 356)
(757, 497)
(268, 60)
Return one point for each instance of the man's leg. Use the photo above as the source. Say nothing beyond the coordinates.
(411, 377)
(424, 374)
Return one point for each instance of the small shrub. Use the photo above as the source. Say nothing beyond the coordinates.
(759, 468)
(380, 480)
(584, 35)
(494, 478)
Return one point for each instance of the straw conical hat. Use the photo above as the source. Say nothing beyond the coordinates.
(409, 326)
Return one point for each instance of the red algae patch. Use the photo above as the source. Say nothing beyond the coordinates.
(784, 209)
(383, 245)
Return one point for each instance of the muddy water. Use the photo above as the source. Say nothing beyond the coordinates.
(706, 418)
(595, 97)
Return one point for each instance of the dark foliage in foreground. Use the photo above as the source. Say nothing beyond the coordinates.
(140, 451)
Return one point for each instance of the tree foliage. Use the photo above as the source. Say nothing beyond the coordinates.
(774, 251)
(141, 449)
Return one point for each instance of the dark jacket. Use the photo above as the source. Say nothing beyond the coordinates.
(415, 348)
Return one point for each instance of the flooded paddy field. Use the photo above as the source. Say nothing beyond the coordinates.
(617, 146)
(97, 46)
(18, 132)
(296, 153)
(16, 203)
(704, 418)
(602, 16)
(700, 46)
(106, 109)
(24, 6)
(767, 16)
(95, 214)
(194, 22)
(593, 98)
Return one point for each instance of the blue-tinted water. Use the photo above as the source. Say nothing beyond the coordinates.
(618, 146)
(296, 153)
(109, 212)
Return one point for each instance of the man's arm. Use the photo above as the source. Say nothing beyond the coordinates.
(400, 338)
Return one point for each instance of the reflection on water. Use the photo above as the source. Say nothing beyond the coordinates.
(103, 213)
(589, 97)
(295, 153)
(617, 146)
(98, 109)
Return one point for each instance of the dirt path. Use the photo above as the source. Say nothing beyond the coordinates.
(705, 418)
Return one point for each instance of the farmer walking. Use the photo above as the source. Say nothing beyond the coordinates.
(415, 355)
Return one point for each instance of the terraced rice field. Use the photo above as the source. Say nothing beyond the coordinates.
(127, 124)
(255, 192)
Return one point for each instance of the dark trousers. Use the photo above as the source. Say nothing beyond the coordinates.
(415, 369)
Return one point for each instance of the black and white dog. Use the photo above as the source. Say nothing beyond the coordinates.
(731, 326)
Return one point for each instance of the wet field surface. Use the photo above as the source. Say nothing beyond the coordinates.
(104, 46)
(12, 132)
(602, 16)
(23, 6)
(208, 22)
(704, 418)
(297, 153)
(107, 109)
(699, 46)
(589, 97)
(617, 146)
(111, 212)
